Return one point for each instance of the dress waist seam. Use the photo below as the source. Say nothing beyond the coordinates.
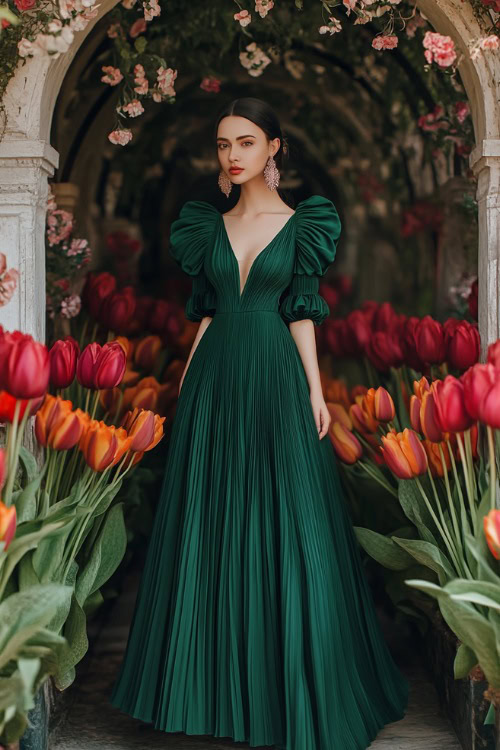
(236, 312)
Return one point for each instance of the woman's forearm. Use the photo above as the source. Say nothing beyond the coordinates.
(303, 335)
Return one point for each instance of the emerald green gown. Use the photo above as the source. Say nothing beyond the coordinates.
(254, 619)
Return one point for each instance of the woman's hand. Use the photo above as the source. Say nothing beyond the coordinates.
(321, 414)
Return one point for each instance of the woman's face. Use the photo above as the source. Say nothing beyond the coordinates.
(241, 143)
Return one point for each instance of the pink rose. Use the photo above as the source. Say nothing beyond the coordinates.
(439, 49)
(23, 5)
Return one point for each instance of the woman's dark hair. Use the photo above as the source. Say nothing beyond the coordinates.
(265, 117)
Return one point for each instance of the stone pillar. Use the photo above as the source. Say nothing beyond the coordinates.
(25, 166)
(485, 162)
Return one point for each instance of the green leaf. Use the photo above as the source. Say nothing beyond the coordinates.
(383, 549)
(429, 555)
(140, 44)
(29, 462)
(416, 510)
(465, 660)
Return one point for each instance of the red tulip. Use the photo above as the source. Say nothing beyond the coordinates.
(429, 339)
(409, 344)
(117, 310)
(452, 416)
(359, 330)
(97, 288)
(8, 405)
(491, 524)
(159, 316)
(477, 381)
(493, 354)
(384, 350)
(86, 364)
(110, 366)
(63, 357)
(462, 346)
(24, 370)
(489, 408)
(146, 352)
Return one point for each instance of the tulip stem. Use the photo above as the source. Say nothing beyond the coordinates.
(456, 527)
(94, 407)
(62, 462)
(468, 451)
(467, 481)
(13, 449)
(493, 479)
(438, 525)
(87, 400)
(378, 476)
(440, 510)
(457, 479)
(84, 331)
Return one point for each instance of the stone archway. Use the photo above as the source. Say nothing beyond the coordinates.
(27, 159)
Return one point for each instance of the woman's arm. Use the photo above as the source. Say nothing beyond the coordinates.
(204, 323)
(303, 335)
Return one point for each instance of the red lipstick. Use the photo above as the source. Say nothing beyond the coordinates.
(235, 170)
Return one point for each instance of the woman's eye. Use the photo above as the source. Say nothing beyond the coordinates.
(250, 142)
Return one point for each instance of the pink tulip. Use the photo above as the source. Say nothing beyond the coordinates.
(63, 357)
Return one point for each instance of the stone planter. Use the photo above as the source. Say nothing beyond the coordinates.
(462, 700)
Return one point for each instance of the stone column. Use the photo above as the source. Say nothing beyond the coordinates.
(25, 166)
(485, 162)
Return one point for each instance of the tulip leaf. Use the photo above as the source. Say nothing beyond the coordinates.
(75, 632)
(383, 549)
(480, 551)
(415, 509)
(429, 555)
(26, 502)
(30, 464)
(478, 592)
(470, 627)
(465, 660)
(25, 613)
(49, 553)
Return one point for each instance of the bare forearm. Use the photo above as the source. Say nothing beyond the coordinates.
(303, 335)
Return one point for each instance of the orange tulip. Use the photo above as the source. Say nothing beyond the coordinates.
(68, 430)
(50, 414)
(140, 426)
(109, 399)
(130, 378)
(158, 432)
(379, 404)
(339, 414)
(8, 519)
(420, 387)
(404, 454)
(146, 352)
(429, 419)
(491, 523)
(362, 419)
(103, 445)
(415, 404)
(127, 346)
(346, 444)
(434, 457)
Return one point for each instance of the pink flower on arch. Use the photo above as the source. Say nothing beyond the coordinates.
(120, 137)
(385, 41)
(113, 76)
(133, 108)
(490, 42)
(439, 49)
(244, 17)
(461, 110)
(262, 7)
(432, 120)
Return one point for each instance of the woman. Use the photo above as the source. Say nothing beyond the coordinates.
(254, 619)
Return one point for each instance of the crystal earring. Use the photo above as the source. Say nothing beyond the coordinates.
(225, 183)
(271, 174)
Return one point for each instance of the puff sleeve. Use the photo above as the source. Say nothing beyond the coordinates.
(190, 235)
(317, 232)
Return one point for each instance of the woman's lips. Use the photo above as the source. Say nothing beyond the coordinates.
(236, 170)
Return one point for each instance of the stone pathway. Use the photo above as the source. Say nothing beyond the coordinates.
(86, 721)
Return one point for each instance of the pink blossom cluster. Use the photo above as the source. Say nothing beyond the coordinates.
(113, 76)
(433, 120)
(142, 84)
(8, 281)
(254, 59)
(74, 16)
(120, 137)
(262, 7)
(385, 41)
(333, 27)
(59, 226)
(151, 9)
(71, 306)
(439, 49)
(243, 16)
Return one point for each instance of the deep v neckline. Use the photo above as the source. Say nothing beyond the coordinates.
(241, 291)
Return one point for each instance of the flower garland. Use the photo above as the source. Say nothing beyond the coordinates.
(44, 28)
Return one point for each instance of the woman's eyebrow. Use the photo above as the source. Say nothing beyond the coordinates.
(238, 138)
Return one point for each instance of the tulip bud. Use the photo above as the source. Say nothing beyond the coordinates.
(51, 412)
(63, 357)
(117, 310)
(429, 339)
(491, 524)
(383, 405)
(463, 346)
(477, 381)
(86, 364)
(493, 354)
(428, 418)
(434, 457)
(449, 400)
(8, 520)
(25, 366)
(109, 366)
(97, 288)
(140, 426)
(339, 414)
(346, 444)
(68, 430)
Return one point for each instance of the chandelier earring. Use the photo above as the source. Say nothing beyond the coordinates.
(225, 183)
(271, 174)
